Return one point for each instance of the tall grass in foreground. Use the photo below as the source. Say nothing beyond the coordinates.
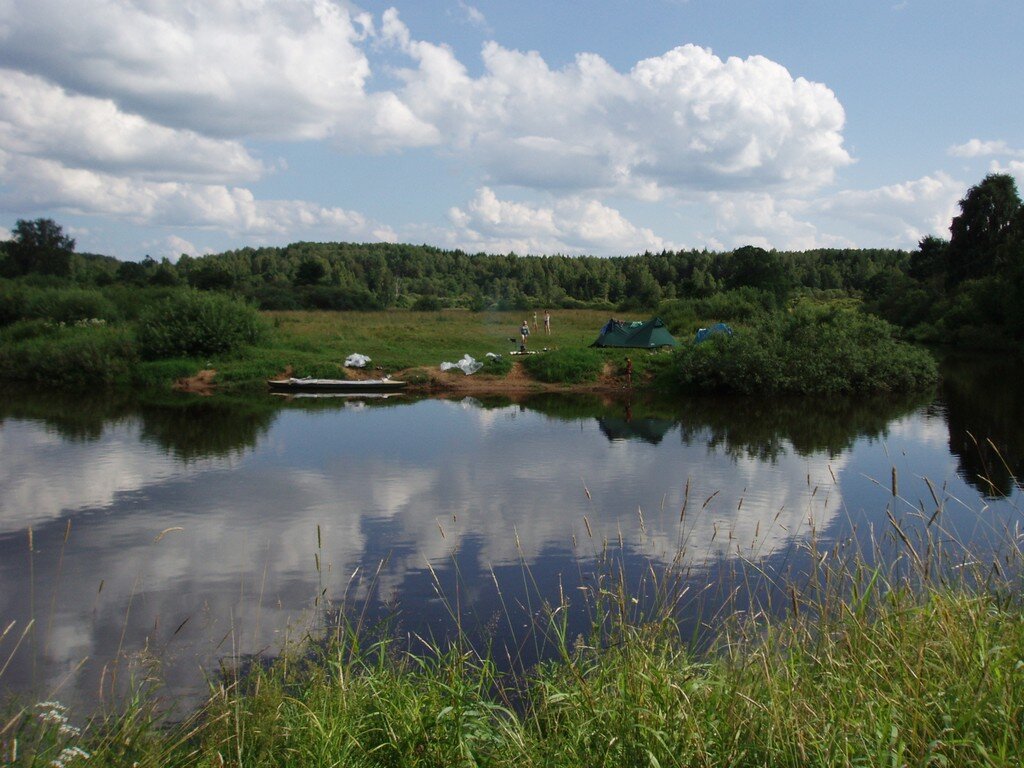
(901, 648)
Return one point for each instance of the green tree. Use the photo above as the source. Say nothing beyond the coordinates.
(929, 260)
(132, 272)
(210, 276)
(987, 214)
(41, 246)
(310, 272)
(757, 268)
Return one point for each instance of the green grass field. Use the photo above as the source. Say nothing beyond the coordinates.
(410, 339)
(317, 343)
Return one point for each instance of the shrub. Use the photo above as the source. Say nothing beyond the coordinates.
(568, 366)
(190, 324)
(427, 304)
(742, 305)
(12, 302)
(22, 301)
(28, 329)
(71, 356)
(69, 305)
(739, 305)
(132, 301)
(276, 297)
(810, 351)
(337, 298)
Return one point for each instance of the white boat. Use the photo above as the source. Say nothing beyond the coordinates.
(335, 385)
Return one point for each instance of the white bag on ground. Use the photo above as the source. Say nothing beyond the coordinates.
(355, 360)
(467, 365)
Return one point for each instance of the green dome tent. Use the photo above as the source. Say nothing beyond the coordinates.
(647, 335)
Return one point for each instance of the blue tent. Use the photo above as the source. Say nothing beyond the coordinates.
(705, 333)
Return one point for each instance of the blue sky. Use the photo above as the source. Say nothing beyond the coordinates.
(606, 127)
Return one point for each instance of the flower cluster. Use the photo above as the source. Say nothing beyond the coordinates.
(68, 755)
(53, 713)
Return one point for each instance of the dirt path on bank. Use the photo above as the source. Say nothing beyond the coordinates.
(200, 384)
(454, 383)
(516, 382)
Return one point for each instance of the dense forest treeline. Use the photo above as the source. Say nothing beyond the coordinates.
(967, 289)
(367, 276)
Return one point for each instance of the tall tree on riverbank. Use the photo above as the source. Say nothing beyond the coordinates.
(41, 246)
(978, 235)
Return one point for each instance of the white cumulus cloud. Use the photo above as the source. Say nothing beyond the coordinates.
(156, 113)
(39, 119)
(681, 121)
(227, 68)
(898, 214)
(979, 148)
(893, 216)
(570, 225)
(235, 210)
(762, 220)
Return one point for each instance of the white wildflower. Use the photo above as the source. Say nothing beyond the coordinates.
(53, 712)
(69, 755)
(66, 729)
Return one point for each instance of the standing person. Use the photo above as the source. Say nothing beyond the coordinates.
(629, 372)
(524, 334)
(535, 326)
(547, 323)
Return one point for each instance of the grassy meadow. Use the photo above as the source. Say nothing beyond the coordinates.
(316, 343)
(400, 339)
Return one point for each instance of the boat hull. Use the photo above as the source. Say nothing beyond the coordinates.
(335, 385)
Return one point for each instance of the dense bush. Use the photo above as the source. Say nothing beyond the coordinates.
(190, 324)
(741, 305)
(811, 350)
(132, 301)
(23, 301)
(12, 302)
(567, 366)
(23, 330)
(427, 304)
(68, 356)
(69, 305)
(337, 298)
(276, 297)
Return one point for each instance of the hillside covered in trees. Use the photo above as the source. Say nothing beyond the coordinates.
(967, 289)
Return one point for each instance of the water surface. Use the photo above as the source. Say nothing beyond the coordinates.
(181, 533)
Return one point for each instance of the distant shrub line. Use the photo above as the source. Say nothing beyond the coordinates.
(79, 336)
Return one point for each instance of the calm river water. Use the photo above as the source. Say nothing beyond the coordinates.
(183, 533)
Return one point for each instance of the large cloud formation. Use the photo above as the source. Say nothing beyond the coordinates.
(685, 120)
(229, 68)
(155, 113)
